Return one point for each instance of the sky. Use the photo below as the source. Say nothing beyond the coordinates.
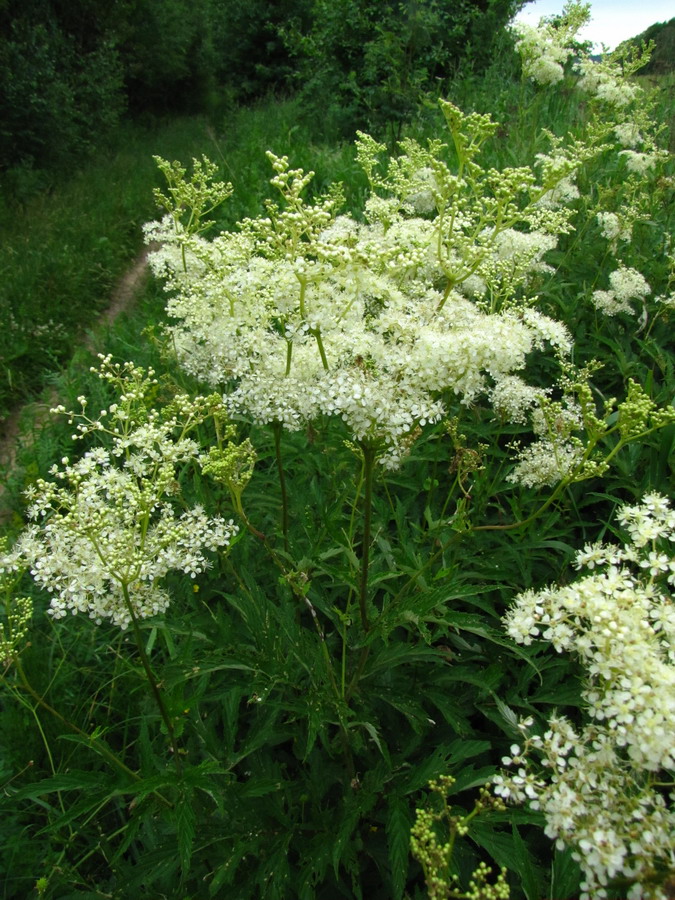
(612, 20)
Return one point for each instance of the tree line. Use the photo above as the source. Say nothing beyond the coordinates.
(70, 70)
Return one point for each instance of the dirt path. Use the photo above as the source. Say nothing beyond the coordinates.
(124, 294)
(37, 412)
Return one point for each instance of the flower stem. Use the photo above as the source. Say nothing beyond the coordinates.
(369, 457)
(282, 482)
(316, 333)
(154, 687)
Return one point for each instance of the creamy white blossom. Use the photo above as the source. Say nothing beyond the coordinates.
(596, 788)
(106, 530)
(625, 285)
(640, 163)
(303, 313)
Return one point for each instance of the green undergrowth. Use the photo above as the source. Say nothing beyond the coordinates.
(66, 243)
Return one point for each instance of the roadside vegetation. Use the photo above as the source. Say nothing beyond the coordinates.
(344, 569)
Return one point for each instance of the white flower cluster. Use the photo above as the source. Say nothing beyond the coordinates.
(546, 48)
(604, 81)
(105, 532)
(302, 313)
(542, 52)
(614, 228)
(625, 285)
(642, 163)
(599, 794)
(558, 452)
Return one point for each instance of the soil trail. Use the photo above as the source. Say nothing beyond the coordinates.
(121, 299)
(124, 294)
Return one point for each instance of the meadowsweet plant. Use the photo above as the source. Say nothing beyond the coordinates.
(407, 407)
(606, 787)
(373, 331)
(620, 122)
(106, 529)
(304, 313)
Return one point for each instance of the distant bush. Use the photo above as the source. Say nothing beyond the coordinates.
(69, 71)
(363, 63)
(55, 97)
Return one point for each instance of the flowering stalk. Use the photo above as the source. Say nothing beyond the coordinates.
(436, 855)
(152, 681)
(369, 459)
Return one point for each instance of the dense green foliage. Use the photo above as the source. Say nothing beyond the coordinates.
(69, 70)
(65, 247)
(367, 64)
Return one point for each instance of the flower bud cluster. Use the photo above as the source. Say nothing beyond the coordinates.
(18, 610)
(435, 853)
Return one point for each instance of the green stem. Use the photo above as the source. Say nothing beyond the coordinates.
(100, 748)
(316, 333)
(154, 687)
(303, 288)
(282, 482)
(369, 457)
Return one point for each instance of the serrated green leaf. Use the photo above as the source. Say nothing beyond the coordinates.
(509, 851)
(259, 787)
(524, 865)
(566, 694)
(508, 715)
(225, 874)
(468, 777)
(433, 766)
(449, 709)
(69, 781)
(565, 875)
(398, 825)
(462, 749)
(374, 736)
(185, 819)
